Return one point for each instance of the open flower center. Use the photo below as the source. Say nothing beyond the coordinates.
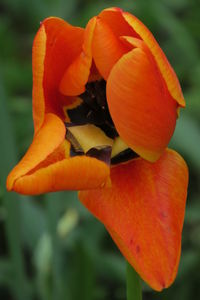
(92, 131)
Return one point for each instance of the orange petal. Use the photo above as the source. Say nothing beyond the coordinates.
(48, 138)
(106, 47)
(144, 213)
(38, 57)
(77, 173)
(76, 76)
(60, 153)
(141, 107)
(159, 56)
(114, 19)
(55, 46)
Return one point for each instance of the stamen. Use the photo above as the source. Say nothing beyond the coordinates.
(76, 147)
(101, 153)
(92, 131)
(88, 136)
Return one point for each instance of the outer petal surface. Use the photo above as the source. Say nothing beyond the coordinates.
(144, 213)
(141, 107)
(38, 57)
(77, 173)
(106, 47)
(48, 138)
(114, 18)
(159, 56)
(55, 46)
(76, 76)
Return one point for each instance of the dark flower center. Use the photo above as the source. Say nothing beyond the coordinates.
(94, 109)
(92, 131)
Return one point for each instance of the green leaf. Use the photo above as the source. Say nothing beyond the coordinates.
(186, 139)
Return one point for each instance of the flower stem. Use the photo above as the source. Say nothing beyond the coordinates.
(133, 289)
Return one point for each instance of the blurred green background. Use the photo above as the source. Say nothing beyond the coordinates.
(50, 246)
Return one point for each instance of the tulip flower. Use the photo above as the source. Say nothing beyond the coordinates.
(105, 105)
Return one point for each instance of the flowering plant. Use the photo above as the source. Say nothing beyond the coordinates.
(105, 104)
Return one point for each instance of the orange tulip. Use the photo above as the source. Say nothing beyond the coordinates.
(105, 102)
